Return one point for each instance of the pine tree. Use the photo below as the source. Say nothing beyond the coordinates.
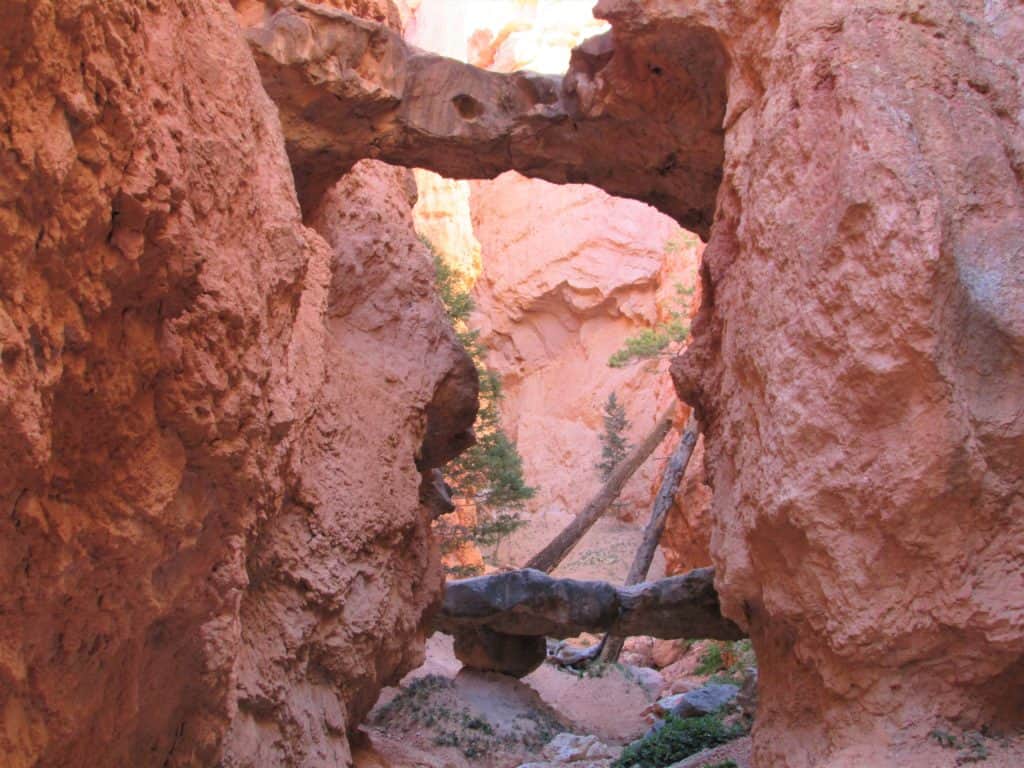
(614, 446)
(490, 473)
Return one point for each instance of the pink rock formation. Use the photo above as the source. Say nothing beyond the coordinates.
(858, 364)
(212, 546)
(686, 541)
(568, 273)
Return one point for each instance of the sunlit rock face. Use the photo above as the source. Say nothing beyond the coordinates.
(858, 363)
(561, 276)
(213, 550)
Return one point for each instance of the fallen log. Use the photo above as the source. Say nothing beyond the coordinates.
(548, 558)
(611, 645)
(531, 603)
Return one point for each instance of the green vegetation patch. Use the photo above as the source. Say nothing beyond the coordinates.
(490, 473)
(726, 661)
(677, 740)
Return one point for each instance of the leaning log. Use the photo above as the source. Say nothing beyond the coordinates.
(529, 602)
(611, 646)
(548, 558)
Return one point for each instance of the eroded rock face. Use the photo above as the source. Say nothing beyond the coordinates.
(212, 548)
(343, 578)
(568, 274)
(349, 88)
(857, 360)
(858, 366)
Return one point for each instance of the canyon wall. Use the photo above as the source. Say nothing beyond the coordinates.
(857, 366)
(857, 360)
(215, 419)
(568, 274)
(212, 547)
(561, 275)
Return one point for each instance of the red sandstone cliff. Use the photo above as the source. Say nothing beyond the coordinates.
(169, 381)
(858, 363)
(212, 547)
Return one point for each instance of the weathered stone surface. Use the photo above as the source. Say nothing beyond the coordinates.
(349, 89)
(572, 748)
(530, 602)
(481, 648)
(212, 549)
(343, 577)
(857, 366)
(705, 700)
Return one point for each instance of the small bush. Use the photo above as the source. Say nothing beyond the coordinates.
(723, 764)
(677, 740)
(711, 660)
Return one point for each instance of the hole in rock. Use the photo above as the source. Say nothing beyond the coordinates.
(468, 107)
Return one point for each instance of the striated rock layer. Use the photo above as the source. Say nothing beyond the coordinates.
(212, 548)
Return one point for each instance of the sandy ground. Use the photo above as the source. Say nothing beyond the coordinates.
(609, 706)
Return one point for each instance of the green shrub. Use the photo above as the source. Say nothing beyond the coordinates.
(653, 342)
(614, 446)
(677, 740)
(723, 764)
(711, 660)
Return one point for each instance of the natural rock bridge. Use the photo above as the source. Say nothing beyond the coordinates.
(500, 621)
(349, 89)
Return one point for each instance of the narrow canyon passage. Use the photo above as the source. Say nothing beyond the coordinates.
(228, 380)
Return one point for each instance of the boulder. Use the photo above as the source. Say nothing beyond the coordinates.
(489, 651)
(702, 701)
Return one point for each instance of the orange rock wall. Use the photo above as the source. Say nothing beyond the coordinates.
(212, 548)
(858, 363)
(568, 274)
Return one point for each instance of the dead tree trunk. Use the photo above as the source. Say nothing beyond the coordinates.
(611, 646)
(548, 558)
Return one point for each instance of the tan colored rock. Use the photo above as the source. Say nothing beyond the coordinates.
(666, 652)
(212, 547)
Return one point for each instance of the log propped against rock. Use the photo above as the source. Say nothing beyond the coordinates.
(555, 552)
(611, 645)
(530, 603)
(349, 89)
